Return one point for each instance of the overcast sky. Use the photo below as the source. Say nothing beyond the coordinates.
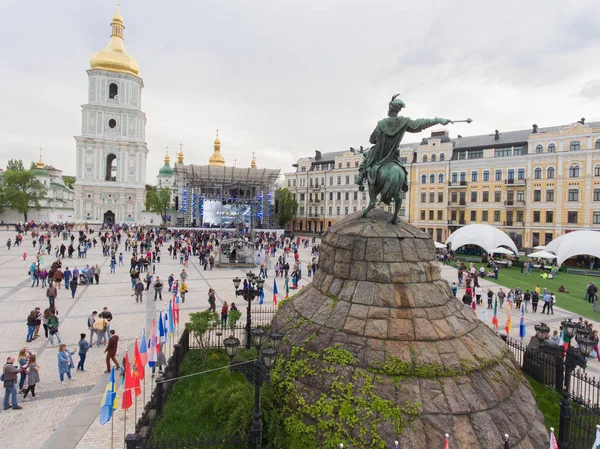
(285, 78)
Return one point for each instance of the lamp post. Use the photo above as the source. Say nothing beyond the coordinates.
(566, 361)
(249, 292)
(256, 371)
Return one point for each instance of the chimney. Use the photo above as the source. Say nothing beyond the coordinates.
(535, 129)
(317, 155)
(424, 141)
(497, 135)
(459, 136)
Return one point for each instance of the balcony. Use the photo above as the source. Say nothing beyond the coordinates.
(457, 222)
(457, 184)
(514, 203)
(313, 215)
(515, 182)
(512, 223)
(457, 203)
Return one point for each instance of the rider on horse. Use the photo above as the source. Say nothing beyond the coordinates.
(386, 139)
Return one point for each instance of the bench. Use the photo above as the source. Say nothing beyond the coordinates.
(584, 272)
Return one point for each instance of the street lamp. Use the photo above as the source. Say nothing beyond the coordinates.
(541, 331)
(249, 293)
(256, 371)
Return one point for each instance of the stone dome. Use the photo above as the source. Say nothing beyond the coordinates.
(377, 349)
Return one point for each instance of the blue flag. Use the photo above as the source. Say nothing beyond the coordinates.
(262, 296)
(522, 323)
(161, 328)
(110, 401)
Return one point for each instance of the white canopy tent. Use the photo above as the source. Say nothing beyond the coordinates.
(541, 255)
(439, 245)
(487, 237)
(575, 244)
(539, 247)
(501, 250)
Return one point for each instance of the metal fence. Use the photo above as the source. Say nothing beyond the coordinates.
(237, 440)
(214, 338)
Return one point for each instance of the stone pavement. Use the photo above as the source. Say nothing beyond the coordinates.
(65, 416)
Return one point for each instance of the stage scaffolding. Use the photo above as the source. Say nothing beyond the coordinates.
(231, 186)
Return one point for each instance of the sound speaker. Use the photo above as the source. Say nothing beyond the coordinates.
(177, 203)
(276, 206)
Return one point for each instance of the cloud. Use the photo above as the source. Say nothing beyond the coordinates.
(285, 78)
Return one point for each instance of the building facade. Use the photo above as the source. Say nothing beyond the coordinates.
(534, 184)
(111, 150)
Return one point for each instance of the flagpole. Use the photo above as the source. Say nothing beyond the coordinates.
(124, 427)
(112, 429)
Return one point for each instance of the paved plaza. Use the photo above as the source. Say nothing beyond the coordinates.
(65, 416)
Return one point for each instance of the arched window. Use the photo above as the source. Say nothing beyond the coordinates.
(111, 168)
(441, 178)
(537, 173)
(551, 148)
(113, 90)
(574, 171)
(432, 179)
(550, 173)
(423, 179)
(442, 157)
(424, 158)
(597, 144)
(433, 158)
(539, 149)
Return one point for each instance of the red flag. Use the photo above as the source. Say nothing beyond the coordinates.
(446, 444)
(553, 444)
(137, 370)
(176, 309)
(126, 400)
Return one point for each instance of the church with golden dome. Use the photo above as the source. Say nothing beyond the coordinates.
(111, 151)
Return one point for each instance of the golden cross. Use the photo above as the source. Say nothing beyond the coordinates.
(40, 153)
(234, 162)
(167, 147)
(253, 155)
(217, 133)
(181, 147)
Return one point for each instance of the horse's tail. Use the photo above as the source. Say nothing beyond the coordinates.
(393, 185)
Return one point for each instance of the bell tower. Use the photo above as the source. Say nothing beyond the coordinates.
(111, 150)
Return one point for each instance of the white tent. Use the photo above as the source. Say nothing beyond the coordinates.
(486, 236)
(542, 255)
(539, 247)
(439, 245)
(501, 250)
(574, 244)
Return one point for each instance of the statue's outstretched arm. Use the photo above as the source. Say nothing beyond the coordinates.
(418, 125)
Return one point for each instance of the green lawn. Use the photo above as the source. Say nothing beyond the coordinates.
(574, 283)
(215, 401)
(548, 402)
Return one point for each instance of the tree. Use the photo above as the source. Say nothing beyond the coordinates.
(200, 326)
(158, 201)
(16, 165)
(287, 206)
(69, 181)
(21, 191)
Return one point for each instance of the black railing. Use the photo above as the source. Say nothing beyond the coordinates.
(236, 440)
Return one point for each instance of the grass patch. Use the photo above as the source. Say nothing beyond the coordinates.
(575, 283)
(548, 401)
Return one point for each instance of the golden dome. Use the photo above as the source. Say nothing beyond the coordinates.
(253, 163)
(216, 160)
(167, 158)
(180, 155)
(114, 56)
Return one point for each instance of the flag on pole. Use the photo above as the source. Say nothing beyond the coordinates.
(522, 323)
(553, 443)
(126, 400)
(495, 316)
(287, 288)
(144, 348)
(176, 308)
(508, 326)
(597, 440)
(261, 298)
(137, 369)
(484, 314)
(161, 328)
(152, 355)
(447, 444)
(110, 402)
(166, 326)
(275, 292)
(506, 441)
(171, 321)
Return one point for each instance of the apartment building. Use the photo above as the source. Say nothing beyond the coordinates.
(534, 184)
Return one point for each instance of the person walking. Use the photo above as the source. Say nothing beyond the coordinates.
(158, 286)
(51, 294)
(535, 299)
(84, 346)
(23, 360)
(33, 376)
(107, 315)
(183, 289)
(65, 363)
(38, 322)
(547, 300)
(96, 271)
(111, 351)
(53, 324)
(139, 291)
(31, 325)
(100, 328)
(224, 312)
(212, 301)
(170, 281)
(10, 373)
(68, 275)
(90, 325)
(527, 299)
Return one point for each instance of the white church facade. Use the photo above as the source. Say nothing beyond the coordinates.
(111, 150)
